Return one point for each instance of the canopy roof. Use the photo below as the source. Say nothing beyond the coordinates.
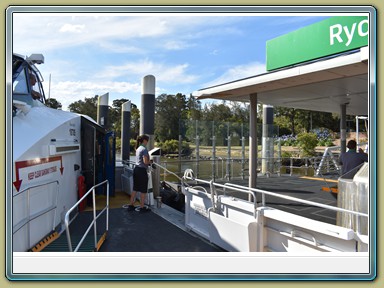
(319, 86)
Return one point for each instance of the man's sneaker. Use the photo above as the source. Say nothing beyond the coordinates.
(143, 209)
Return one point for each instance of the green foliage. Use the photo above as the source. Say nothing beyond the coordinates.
(170, 110)
(324, 136)
(172, 147)
(286, 154)
(86, 107)
(291, 120)
(307, 142)
(53, 103)
(288, 140)
(118, 143)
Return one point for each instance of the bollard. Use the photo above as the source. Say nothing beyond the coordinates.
(158, 201)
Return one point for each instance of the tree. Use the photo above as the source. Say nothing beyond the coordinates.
(115, 115)
(193, 108)
(292, 121)
(86, 107)
(285, 117)
(170, 110)
(53, 103)
(135, 121)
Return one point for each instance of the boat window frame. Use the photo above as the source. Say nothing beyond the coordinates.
(24, 69)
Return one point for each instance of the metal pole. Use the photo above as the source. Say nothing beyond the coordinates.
(343, 128)
(253, 141)
(214, 157)
(197, 154)
(180, 148)
(267, 147)
(147, 119)
(156, 176)
(242, 156)
(228, 166)
(102, 110)
(357, 133)
(125, 130)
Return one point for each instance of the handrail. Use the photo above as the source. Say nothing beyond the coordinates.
(245, 189)
(93, 223)
(27, 220)
(181, 179)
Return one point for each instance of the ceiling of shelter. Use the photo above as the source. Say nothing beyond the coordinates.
(312, 88)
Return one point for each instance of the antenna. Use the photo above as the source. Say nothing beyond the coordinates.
(49, 87)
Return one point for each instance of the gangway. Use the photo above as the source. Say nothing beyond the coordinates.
(75, 239)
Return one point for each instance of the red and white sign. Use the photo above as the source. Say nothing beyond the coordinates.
(34, 170)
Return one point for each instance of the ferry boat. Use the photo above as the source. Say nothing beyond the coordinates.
(61, 162)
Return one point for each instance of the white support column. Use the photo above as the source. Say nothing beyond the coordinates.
(253, 141)
(267, 152)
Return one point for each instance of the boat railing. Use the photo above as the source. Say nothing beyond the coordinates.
(27, 220)
(93, 223)
(188, 175)
(155, 165)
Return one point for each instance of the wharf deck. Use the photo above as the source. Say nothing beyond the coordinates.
(162, 229)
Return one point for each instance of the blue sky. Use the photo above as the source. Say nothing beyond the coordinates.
(93, 54)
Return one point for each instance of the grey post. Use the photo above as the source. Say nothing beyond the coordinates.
(267, 139)
(125, 130)
(253, 141)
(102, 110)
(147, 119)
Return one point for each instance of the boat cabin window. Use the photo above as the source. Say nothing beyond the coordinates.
(20, 84)
(25, 89)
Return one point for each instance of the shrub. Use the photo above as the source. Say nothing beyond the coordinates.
(324, 136)
(288, 140)
(286, 154)
(172, 147)
(307, 142)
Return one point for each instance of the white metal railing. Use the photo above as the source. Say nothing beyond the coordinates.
(329, 159)
(188, 175)
(95, 217)
(27, 220)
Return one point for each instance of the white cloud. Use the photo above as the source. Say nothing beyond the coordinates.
(72, 28)
(176, 45)
(121, 48)
(99, 29)
(238, 72)
(67, 92)
(173, 74)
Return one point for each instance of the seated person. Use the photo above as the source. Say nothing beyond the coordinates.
(351, 159)
(35, 95)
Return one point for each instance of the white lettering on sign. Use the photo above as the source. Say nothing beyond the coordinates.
(41, 172)
(338, 32)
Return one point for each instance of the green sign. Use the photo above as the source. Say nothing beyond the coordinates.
(328, 37)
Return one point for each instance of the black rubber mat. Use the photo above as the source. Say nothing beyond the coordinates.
(131, 231)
